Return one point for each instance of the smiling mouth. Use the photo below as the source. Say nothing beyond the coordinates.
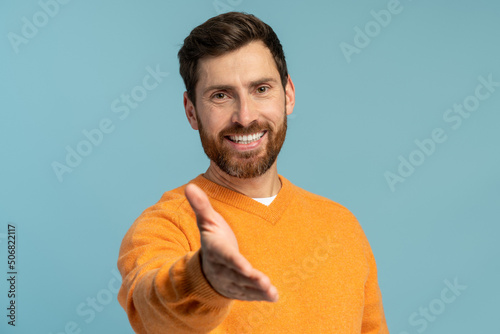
(246, 139)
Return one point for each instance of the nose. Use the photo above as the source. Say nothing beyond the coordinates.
(245, 111)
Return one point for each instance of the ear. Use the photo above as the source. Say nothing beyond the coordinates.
(289, 96)
(190, 112)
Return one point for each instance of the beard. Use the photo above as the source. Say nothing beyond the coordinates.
(244, 164)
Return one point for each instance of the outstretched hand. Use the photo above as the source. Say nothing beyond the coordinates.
(225, 268)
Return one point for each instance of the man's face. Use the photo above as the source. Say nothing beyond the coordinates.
(240, 94)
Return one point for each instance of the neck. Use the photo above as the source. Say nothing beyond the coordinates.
(266, 185)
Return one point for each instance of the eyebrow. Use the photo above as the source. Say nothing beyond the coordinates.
(228, 87)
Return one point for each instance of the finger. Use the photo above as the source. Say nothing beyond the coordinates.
(228, 276)
(257, 281)
(262, 281)
(250, 294)
(238, 264)
(226, 255)
(199, 203)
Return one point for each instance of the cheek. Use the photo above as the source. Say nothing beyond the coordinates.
(272, 104)
(214, 124)
(273, 112)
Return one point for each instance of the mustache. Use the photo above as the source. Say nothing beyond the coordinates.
(242, 131)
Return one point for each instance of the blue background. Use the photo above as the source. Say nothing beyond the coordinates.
(354, 117)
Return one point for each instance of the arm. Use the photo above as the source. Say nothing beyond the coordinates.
(169, 287)
(373, 316)
(163, 289)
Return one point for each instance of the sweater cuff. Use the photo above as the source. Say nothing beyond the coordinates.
(193, 282)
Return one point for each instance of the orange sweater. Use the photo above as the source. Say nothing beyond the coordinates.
(313, 250)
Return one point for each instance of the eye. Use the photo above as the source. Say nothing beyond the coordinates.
(262, 89)
(219, 96)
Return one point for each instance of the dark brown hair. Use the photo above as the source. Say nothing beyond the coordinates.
(222, 34)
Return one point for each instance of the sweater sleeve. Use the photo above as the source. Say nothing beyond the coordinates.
(373, 315)
(164, 289)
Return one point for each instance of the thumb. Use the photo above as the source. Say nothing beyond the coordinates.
(200, 204)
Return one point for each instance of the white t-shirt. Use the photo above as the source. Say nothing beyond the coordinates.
(266, 200)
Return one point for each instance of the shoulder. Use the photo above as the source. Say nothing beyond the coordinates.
(319, 201)
(170, 211)
(171, 204)
(326, 212)
(170, 219)
(329, 216)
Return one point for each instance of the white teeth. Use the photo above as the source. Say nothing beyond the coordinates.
(246, 139)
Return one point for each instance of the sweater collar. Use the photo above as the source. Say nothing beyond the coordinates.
(271, 213)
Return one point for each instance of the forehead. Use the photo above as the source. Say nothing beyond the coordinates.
(246, 64)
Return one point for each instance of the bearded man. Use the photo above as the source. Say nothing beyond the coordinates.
(240, 249)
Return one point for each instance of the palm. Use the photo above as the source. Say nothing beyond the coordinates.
(225, 268)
